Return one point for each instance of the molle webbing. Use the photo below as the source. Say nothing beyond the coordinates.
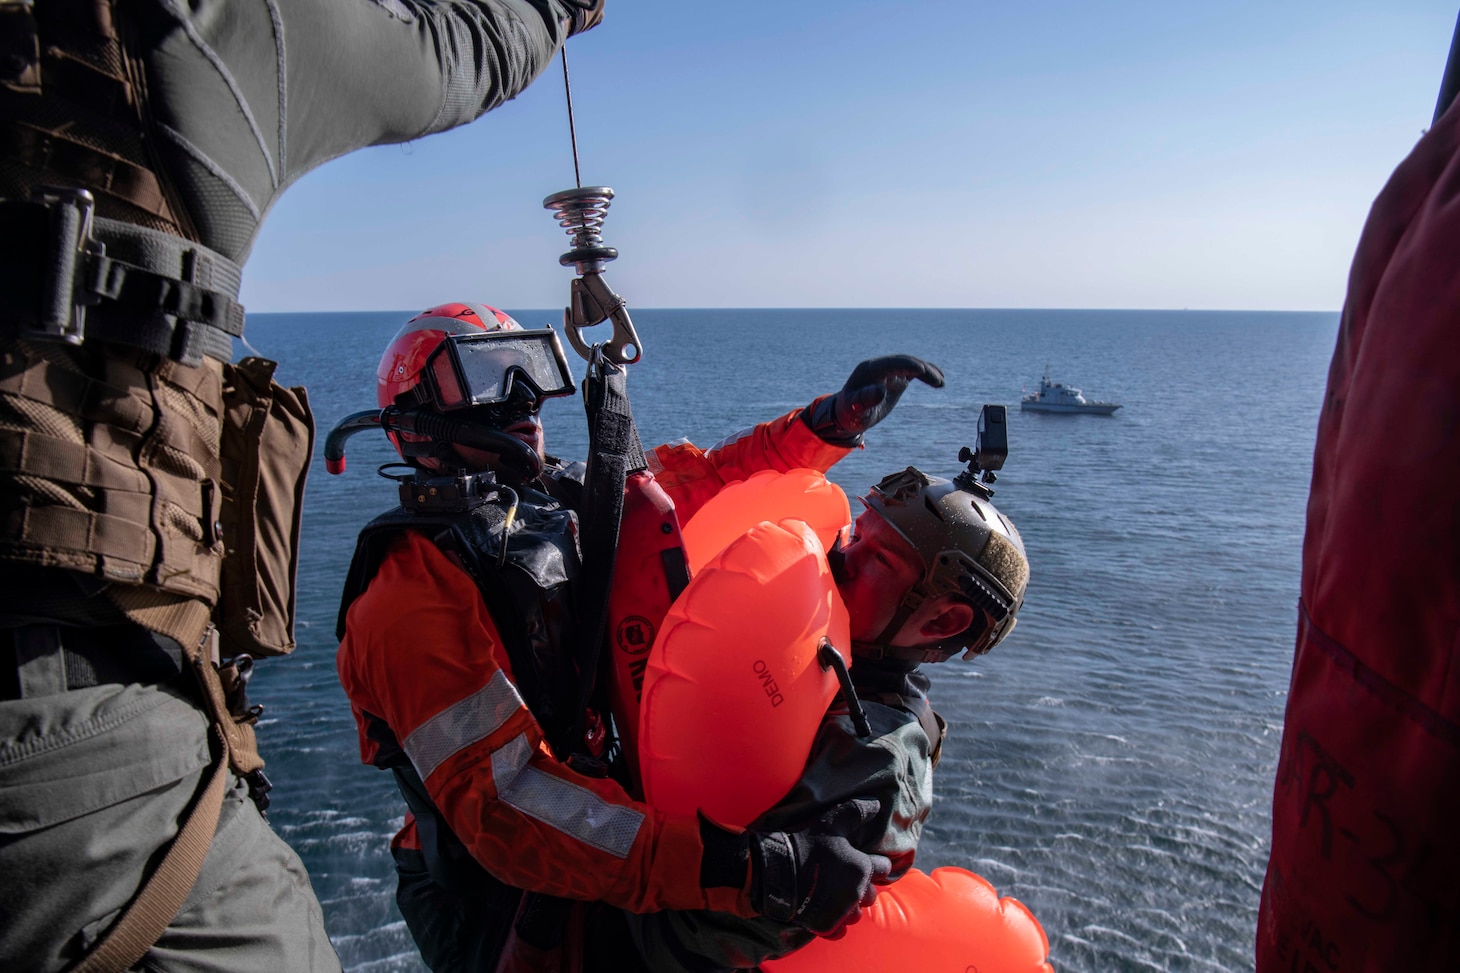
(110, 467)
(73, 112)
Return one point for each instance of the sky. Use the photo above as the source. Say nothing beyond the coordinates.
(899, 153)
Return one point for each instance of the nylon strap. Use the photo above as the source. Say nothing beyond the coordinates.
(101, 171)
(148, 915)
(614, 451)
(149, 290)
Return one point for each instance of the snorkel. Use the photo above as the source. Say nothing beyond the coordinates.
(519, 461)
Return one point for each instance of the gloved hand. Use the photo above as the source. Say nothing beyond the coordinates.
(586, 15)
(814, 878)
(871, 391)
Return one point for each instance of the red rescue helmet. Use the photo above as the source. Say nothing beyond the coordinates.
(405, 356)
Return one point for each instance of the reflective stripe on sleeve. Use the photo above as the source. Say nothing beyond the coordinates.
(732, 438)
(560, 804)
(461, 724)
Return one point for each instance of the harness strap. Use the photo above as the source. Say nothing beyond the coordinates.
(67, 275)
(934, 726)
(148, 915)
(614, 451)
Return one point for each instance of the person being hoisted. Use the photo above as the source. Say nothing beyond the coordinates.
(458, 628)
(933, 569)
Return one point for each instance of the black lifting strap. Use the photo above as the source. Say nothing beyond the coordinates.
(614, 452)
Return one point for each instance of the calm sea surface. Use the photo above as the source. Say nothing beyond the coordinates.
(1110, 764)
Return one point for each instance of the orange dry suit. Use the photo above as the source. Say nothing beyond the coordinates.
(459, 671)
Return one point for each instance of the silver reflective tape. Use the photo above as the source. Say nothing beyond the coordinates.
(508, 761)
(462, 724)
(731, 438)
(573, 810)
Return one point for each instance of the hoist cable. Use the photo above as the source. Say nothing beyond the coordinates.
(572, 130)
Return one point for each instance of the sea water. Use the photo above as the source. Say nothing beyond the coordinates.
(1111, 763)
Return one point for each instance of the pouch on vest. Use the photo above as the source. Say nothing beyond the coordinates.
(268, 438)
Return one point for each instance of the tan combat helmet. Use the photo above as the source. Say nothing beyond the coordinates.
(966, 545)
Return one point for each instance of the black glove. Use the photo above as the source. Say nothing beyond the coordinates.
(584, 15)
(813, 878)
(870, 393)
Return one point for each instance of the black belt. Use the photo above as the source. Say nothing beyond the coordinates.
(46, 658)
(68, 275)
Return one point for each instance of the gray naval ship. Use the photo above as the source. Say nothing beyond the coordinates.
(1058, 397)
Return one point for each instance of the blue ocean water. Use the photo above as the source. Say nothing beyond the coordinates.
(1111, 764)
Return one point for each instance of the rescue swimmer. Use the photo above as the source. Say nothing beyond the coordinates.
(456, 626)
(932, 569)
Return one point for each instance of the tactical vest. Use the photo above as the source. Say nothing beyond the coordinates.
(114, 327)
(527, 588)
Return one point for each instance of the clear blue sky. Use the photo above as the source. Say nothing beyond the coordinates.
(921, 153)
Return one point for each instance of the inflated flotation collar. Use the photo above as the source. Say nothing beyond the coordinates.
(649, 573)
(733, 693)
(1362, 874)
(805, 495)
(656, 559)
(950, 920)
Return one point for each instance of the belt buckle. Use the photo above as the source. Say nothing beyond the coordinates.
(63, 301)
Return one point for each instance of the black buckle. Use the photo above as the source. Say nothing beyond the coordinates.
(70, 246)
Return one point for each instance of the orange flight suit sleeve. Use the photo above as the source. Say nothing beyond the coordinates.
(692, 476)
(422, 653)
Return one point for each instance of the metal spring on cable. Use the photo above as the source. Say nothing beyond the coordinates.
(581, 212)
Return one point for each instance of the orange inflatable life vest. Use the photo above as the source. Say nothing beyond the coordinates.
(951, 920)
(733, 694)
(649, 572)
(766, 495)
(655, 561)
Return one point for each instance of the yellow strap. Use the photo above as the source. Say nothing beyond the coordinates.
(147, 917)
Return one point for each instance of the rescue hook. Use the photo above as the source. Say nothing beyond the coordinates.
(581, 212)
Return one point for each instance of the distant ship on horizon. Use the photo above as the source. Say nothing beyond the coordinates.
(1058, 397)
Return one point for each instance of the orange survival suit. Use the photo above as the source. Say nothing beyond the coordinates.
(459, 667)
(1365, 867)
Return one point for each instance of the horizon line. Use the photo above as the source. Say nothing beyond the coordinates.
(804, 307)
